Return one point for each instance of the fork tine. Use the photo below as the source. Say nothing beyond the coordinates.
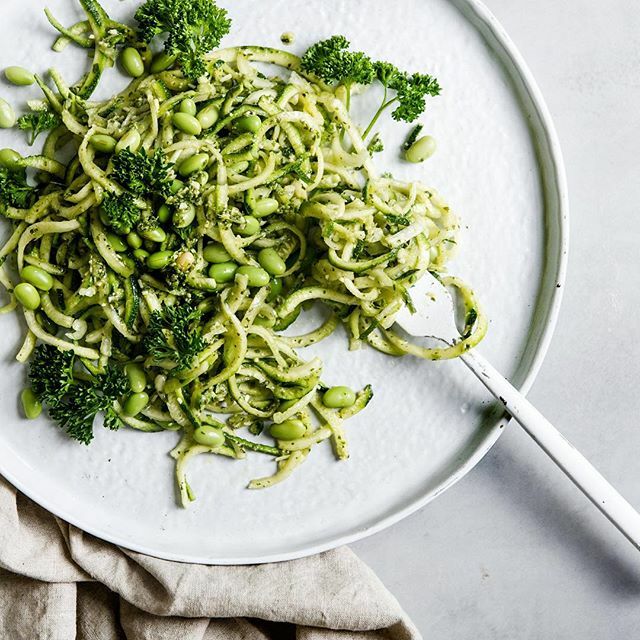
(434, 316)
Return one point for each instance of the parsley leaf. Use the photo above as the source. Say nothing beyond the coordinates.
(121, 212)
(174, 334)
(74, 402)
(143, 174)
(193, 28)
(37, 122)
(14, 189)
(331, 61)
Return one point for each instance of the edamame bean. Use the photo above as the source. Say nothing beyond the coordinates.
(155, 235)
(188, 106)
(421, 149)
(208, 436)
(249, 124)
(223, 271)
(271, 262)
(186, 123)
(257, 277)
(338, 397)
(134, 240)
(288, 430)
(265, 207)
(103, 143)
(10, 158)
(135, 403)
(19, 76)
(275, 289)
(27, 295)
(197, 162)
(185, 261)
(38, 277)
(249, 227)
(116, 243)
(130, 140)
(7, 115)
(184, 215)
(31, 406)
(162, 62)
(208, 116)
(164, 213)
(136, 376)
(140, 254)
(215, 253)
(159, 260)
(132, 63)
(176, 186)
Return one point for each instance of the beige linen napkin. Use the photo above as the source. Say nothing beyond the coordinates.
(59, 583)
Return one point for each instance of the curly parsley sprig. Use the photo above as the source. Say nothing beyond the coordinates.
(174, 335)
(37, 122)
(333, 62)
(75, 397)
(192, 27)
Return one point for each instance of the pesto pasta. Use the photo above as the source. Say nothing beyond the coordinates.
(175, 230)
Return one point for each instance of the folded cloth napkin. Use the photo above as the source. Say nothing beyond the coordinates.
(59, 583)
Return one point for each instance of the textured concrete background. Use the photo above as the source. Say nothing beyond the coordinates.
(515, 551)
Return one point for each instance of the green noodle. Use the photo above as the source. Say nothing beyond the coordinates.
(333, 209)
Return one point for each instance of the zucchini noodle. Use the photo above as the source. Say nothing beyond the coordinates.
(301, 185)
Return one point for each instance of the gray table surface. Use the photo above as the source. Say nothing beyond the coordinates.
(515, 551)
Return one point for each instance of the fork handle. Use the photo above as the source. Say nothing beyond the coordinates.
(584, 475)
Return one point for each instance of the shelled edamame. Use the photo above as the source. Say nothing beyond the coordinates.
(31, 406)
(421, 150)
(7, 115)
(19, 76)
(132, 63)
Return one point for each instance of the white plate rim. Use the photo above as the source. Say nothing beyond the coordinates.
(554, 175)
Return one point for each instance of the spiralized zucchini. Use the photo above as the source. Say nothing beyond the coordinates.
(351, 239)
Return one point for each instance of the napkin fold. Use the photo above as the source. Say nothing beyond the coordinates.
(59, 583)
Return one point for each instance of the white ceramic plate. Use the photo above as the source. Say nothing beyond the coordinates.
(499, 166)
